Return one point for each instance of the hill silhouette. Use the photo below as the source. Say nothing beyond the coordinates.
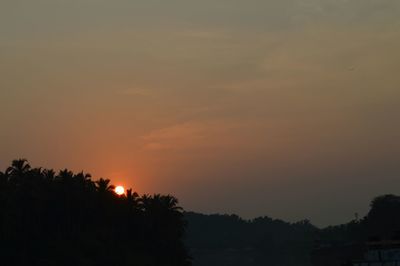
(229, 240)
(65, 218)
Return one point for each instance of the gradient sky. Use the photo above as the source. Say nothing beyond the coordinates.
(286, 108)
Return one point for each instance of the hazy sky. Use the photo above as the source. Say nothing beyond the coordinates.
(286, 108)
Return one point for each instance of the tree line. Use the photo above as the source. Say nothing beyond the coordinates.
(66, 218)
(230, 240)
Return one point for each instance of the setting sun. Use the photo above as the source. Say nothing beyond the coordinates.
(119, 190)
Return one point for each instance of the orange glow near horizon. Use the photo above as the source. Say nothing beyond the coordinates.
(120, 190)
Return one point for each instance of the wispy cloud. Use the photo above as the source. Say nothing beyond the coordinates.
(175, 137)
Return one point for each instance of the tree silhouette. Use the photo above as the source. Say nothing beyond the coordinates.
(103, 186)
(68, 219)
(18, 167)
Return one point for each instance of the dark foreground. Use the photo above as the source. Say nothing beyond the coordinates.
(231, 241)
(65, 218)
(68, 219)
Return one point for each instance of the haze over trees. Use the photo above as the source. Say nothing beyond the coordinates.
(66, 218)
(229, 240)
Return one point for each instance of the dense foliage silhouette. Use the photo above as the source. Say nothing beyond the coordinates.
(231, 241)
(68, 219)
(381, 222)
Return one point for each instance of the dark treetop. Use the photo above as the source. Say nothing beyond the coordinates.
(65, 218)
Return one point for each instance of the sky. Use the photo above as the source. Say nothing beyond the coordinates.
(285, 108)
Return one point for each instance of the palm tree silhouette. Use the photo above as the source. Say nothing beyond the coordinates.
(49, 175)
(159, 203)
(170, 203)
(103, 186)
(18, 169)
(84, 181)
(48, 218)
(132, 198)
(65, 176)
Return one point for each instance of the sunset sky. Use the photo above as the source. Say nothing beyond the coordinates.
(285, 108)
